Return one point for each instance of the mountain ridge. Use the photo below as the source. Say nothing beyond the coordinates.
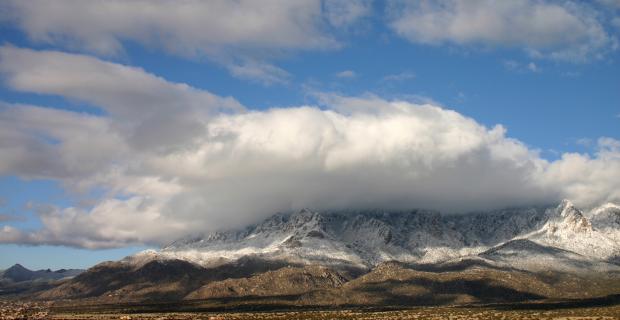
(367, 239)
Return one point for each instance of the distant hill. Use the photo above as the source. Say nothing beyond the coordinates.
(18, 273)
(19, 280)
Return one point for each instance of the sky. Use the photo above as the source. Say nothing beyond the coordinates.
(125, 125)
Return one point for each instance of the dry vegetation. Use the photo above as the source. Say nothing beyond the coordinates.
(18, 310)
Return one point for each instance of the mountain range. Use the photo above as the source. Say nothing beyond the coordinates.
(366, 239)
(373, 257)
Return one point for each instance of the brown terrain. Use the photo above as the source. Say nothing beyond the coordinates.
(176, 287)
(391, 283)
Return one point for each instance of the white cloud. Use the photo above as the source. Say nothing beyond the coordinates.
(150, 110)
(348, 74)
(253, 32)
(567, 31)
(187, 28)
(242, 35)
(582, 176)
(46, 143)
(238, 166)
(111, 223)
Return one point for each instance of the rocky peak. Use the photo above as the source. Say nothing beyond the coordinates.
(570, 217)
(306, 219)
(17, 268)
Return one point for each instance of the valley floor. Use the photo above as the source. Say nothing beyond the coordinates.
(592, 310)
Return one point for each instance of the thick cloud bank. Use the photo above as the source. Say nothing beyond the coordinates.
(173, 159)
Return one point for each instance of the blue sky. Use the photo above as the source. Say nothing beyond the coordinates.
(554, 96)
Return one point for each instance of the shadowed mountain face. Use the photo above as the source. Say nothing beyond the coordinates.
(263, 284)
(154, 280)
(167, 280)
(286, 281)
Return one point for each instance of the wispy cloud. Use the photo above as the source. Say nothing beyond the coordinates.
(571, 74)
(584, 142)
(345, 13)
(11, 217)
(403, 76)
(262, 72)
(533, 67)
(461, 97)
(519, 67)
(347, 74)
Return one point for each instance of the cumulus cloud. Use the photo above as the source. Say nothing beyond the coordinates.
(581, 176)
(111, 223)
(238, 165)
(569, 31)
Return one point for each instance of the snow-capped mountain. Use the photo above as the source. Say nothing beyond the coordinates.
(571, 230)
(521, 238)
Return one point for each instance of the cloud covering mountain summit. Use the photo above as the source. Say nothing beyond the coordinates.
(174, 159)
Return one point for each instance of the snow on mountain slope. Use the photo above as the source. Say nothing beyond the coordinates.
(528, 255)
(367, 238)
(569, 229)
